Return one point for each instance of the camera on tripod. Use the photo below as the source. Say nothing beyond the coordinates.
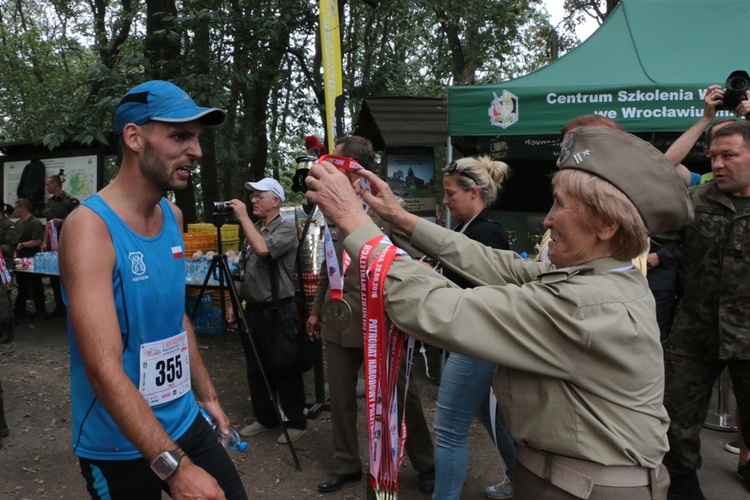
(222, 207)
(736, 86)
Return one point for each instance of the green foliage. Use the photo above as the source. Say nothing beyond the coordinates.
(67, 63)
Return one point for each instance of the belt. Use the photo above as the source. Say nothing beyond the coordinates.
(269, 305)
(578, 477)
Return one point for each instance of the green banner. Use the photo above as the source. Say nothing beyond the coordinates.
(505, 110)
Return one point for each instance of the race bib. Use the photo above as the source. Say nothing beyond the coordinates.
(165, 369)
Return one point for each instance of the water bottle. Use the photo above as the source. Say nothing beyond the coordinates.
(55, 267)
(40, 264)
(231, 442)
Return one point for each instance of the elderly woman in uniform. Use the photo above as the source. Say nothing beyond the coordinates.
(580, 378)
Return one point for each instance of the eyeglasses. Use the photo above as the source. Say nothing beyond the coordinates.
(259, 197)
(453, 167)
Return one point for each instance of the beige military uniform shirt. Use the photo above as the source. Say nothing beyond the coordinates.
(581, 371)
(351, 336)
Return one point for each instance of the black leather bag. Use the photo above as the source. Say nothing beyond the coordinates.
(291, 351)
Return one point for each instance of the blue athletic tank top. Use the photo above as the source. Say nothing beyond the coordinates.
(149, 292)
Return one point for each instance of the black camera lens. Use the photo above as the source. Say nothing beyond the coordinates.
(735, 87)
(738, 82)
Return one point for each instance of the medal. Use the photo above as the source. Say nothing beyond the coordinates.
(336, 314)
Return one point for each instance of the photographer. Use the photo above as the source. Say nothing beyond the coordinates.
(269, 249)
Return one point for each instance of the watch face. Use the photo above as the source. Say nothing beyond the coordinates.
(165, 465)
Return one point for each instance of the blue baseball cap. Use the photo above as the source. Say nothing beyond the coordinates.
(164, 102)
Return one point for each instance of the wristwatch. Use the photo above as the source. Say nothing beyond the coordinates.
(165, 464)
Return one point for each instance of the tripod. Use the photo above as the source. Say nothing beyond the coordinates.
(219, 269)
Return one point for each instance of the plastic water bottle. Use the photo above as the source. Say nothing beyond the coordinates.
(233, 441)
(54, 266)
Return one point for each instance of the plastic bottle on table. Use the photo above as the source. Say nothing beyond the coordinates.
(40, 262)
(231, 442)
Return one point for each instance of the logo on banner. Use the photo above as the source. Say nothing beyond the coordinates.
(503, 110)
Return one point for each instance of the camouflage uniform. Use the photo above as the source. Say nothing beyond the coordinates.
(712, 325)
(8, 242)
(59, 207)
(29, 285)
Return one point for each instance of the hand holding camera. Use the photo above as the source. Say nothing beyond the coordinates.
(224, 207)
(735, 91)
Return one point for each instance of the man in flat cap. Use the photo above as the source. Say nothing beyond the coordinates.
(580, 367)
(711, 329)
(138, 380)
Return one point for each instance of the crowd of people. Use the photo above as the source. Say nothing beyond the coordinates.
(24, 238)
(591, 379)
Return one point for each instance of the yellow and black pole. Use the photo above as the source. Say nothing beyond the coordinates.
(330, 42)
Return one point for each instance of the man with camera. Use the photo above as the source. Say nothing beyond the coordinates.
(712, 320)
(268, 256)
(137, 376)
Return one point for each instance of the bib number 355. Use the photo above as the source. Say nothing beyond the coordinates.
(165, 369)
(169, 370)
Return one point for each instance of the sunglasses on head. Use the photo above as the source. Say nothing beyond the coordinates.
(453, 167)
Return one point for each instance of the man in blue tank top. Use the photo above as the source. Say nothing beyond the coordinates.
(137, 378)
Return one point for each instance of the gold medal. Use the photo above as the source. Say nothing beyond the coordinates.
(336, 314)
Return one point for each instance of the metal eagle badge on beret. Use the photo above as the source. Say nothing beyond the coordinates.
(565, 148)
(635, 167)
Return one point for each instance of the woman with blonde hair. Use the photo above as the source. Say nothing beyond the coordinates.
(471, 185)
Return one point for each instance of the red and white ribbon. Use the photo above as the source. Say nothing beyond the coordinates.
(342, 162)
(384, 347)
(335, 274)
(5, 276)
(52, 236)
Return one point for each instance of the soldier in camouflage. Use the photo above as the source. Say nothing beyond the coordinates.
(56, 209)
(712, 326)
(8, 242)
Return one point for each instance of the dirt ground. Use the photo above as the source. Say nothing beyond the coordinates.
(37, 462)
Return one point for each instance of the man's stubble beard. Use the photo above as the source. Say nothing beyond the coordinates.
(157, 171)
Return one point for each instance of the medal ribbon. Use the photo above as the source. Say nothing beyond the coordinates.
(335, 275)
(384, 350)
(341, 162)
(348, 165)
(52, 235)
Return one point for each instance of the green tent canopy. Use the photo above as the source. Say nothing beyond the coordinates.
(647, 67)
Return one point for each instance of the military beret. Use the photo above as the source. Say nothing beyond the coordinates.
(636, 168)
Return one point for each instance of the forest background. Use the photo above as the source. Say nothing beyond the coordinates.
(66, 64)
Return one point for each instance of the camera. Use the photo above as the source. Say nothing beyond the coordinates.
(222, 206)
(304, 163)
(736, 85)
